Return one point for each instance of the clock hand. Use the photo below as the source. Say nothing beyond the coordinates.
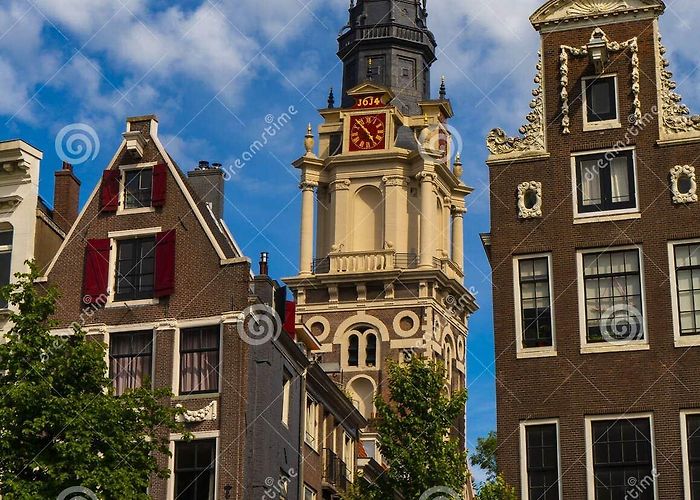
(369, 134)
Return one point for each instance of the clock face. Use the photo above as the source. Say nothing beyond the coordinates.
(367, 132)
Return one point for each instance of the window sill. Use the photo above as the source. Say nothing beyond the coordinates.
(133, 211)
(603, 125)
(537, 352)
(191, 397)
(614, 347)
(606, 217)
(312, 447)
(687, 341)
(132, 303)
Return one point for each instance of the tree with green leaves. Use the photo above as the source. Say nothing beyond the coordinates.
(413, 426)
(495, 487)
(61, 426)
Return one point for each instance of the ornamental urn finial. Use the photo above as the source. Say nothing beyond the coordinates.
(309, 140)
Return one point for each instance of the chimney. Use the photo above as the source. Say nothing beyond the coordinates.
(66, 197)
(264, 268)
(208, 182)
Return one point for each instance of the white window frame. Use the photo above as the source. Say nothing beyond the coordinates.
(196, 436)
(349, 454)
(524, 479)
(121, 208)
(309, 489)
(114, 238)
(592, 348)
(590, 479)
(286, 396)
(608, 215)
(678, 340)
(315, 407)
(606, 124)
(685, 454)
(523, 352)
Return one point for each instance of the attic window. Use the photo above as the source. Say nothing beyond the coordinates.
(600, 98)
(138, 188)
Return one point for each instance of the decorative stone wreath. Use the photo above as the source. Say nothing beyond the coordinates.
(677, 173)
(525, 209)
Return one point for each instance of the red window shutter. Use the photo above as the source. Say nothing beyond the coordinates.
(96, 272)
(109, 195)
(165, 264)
(160, 183)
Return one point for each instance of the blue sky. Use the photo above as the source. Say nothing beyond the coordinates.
(213, 71)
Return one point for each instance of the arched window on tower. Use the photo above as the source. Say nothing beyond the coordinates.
(371, 350)
(354, 350)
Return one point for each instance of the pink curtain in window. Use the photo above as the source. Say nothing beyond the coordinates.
(130, 361)
(199, 370)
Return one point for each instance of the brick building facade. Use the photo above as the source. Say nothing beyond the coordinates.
(594, 266)
(150, 268)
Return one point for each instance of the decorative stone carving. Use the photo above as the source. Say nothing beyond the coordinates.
(8, 204)
(675, 116)
(594, 7)
(340, 185)
(206, 414)
(530, 208)
(308, 185)
(533, 133)
(677, 173)
(558, 13)
(395, 181)
(598, 34)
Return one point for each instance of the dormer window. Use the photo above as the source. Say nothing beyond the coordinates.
(138, 186)
(600, 102)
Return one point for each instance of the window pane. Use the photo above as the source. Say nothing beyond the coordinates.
(194, 470)
(622, 457)
(130, 360)
(535, 303)
(542, 462)
(6, 238)
(135, 268)
(619, 179)
(590, 183)
(601, 99)
(199, 360)
(614, 297)
(137, 188)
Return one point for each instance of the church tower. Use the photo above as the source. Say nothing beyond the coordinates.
(381, 273)
(388, 42)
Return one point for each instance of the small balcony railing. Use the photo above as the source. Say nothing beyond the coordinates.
(379, 260)
(335, 471)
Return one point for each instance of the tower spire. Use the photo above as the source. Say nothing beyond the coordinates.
(394, 36)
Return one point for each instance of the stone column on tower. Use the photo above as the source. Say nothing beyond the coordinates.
(458, 236)
(428, 202)
(307, 227)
